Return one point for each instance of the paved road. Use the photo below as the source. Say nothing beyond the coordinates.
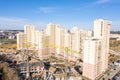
(114, 52)
(112, 73)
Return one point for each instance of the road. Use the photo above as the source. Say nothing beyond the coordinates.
(114, 70)
(114, 52)
(111, 74)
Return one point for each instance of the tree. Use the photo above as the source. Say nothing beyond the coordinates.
(7, 73)
(47, 65)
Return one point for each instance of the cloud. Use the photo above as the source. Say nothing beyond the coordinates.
(47, 9)
(95, 3)
(102, 1)
(18, 23)
(12, 23)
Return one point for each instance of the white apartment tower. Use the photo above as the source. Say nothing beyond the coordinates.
(75, 42)
(21, 40)
(92, 58)
(37, 38)
(54, 33)
(43, 47)
(102, 31)
(67, 45)
(95, 59)
(30, 34)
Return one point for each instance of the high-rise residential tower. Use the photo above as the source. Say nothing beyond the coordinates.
(92, 58)
(30, 34)
(75, 42)
(95, 59)
(67, 45)
(102, 31)
(53, 31)
(43, 47)
(21, 41)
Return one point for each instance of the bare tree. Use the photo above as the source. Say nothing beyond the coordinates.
(7, 73)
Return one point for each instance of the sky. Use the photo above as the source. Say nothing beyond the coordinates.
(14, 14)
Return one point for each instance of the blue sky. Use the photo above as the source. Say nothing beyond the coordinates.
(14, 14)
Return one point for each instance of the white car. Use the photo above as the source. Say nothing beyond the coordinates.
(117, 63)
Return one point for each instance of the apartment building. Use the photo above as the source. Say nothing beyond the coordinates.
(95, 59)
